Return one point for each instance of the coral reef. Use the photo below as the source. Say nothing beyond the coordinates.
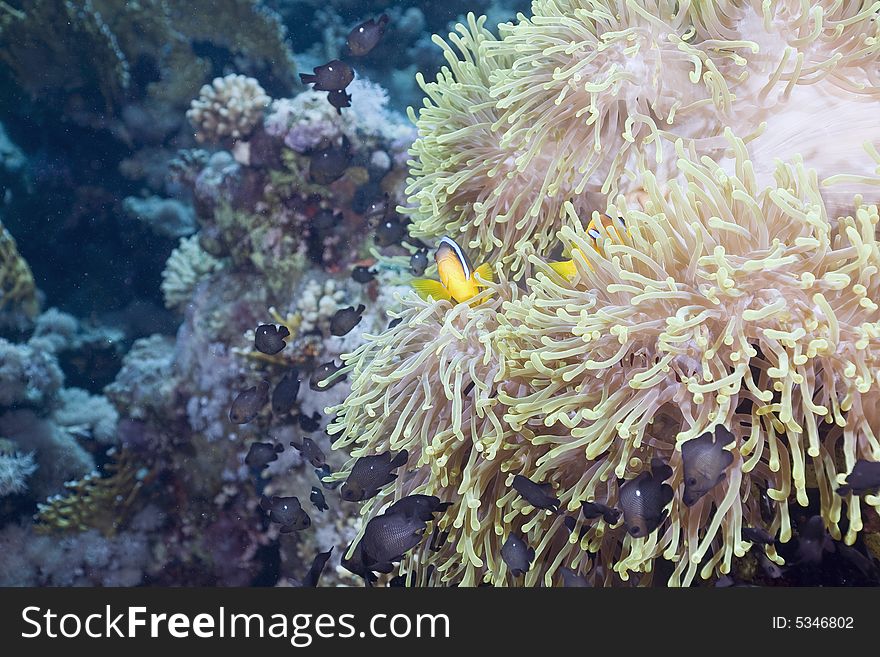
(15, 468)
(229, 107)
(164, 216)
(17, 288)
(186, 267)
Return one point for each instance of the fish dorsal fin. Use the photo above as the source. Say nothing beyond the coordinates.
(428, 288)
(485, 272)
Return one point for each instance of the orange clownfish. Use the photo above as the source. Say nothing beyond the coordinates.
(457, 281)
(567, 268)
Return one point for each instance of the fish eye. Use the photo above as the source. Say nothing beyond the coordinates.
(692, 481)
(634, 531)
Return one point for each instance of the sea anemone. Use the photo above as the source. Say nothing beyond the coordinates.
(726, 303)
(570, 104)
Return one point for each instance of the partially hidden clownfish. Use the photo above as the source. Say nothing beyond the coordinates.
(457, 276)
(567, 268)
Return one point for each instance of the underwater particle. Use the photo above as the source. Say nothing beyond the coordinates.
(370, 473)
(418, 506)
(345, 319)
(285, 393)
(418, 262)
(339, 99)
(389, 232)
(229, 107)
(262, 454)
(571, 579)
(269, 339)
(316, 497)
(314, 575)
(309, 423)
(324, 372)
(517, 554)
(248, 403)
(705, 461)
(362, 275)
(864, 478)
(287, 512)
(757, 535)
(643, 499)
(364, 37)
(332, 76)
(539, 496)
(593, 510)
(310, 451)
(328, 164)
(387, 538)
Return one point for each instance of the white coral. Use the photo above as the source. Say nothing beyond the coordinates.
(186, 267)
(231, 106)
(318, 303)
(15, 468)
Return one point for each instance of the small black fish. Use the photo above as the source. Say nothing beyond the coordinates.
(314, 575)
(757, 535)
(262, 454)
(248, 403)
(418, 262)
(538, 495)
(339, 99)
(422, 507)
(399, 581)
(345, 319)
(376, 210)
(571, 579)
(309, 423)
(864, 479)
(362, 275)
(356, 564)
(316, 497)
(325, 221)
(324, 372)
(517, 555)
(642, 499)
(813, 541)
(390, 231)
(394, 322)
(593, 510)
(327, 165)
(387, 538)
(287, 512)
(332, 76)
(705, 461)
(269, 339)
(311, 452)
(322, 473)
(370, 473)
(363, 38)
(284, 395)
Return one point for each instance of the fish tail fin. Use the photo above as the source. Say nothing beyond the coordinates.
(426, 287)
(400, 459)
(565, 268)
(485, 272)
(723, 435)
(308, 78)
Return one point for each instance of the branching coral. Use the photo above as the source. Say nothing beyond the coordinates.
(15, 468)
(727, 303)
(568, 105)
(229, 107)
